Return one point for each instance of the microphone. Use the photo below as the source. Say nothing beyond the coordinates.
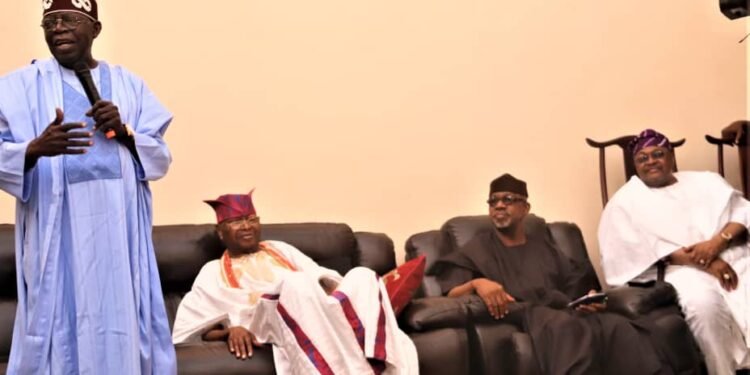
(84, 76)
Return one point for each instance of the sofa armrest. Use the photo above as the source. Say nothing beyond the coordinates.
(376, 252)
(439, 312)
(633, 301)
(424, 314)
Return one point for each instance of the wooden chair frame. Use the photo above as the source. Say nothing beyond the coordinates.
(736, 134)
(629, 164)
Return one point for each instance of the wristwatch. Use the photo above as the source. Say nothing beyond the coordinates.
(129, 132)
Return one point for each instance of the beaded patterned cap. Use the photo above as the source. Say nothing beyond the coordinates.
(88, 8)
(647, 138)
(230, 206)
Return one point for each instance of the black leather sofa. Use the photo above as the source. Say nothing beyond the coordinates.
(181, 250)
(501, 348)
(452, 336)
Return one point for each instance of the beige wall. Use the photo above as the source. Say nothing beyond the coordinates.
(394, 115)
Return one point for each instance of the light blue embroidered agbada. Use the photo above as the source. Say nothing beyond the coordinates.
(89, 296)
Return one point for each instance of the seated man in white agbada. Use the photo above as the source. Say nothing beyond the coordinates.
(695, 223)
(268, 292)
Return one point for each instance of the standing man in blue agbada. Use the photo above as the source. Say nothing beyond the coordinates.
(89, 297)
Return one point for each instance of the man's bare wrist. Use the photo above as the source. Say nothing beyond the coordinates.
(30, 159)
(726, 237)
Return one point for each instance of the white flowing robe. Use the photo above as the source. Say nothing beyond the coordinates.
(89, 296)
(641, 225)
(311, 332)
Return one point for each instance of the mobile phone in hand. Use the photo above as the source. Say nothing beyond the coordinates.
(642, 283)
(589, 299)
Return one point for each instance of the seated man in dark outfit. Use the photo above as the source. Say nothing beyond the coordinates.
(524, 280)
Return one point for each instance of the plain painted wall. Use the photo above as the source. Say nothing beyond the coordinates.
(394, 116)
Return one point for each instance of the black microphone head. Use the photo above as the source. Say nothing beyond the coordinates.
(84, 75)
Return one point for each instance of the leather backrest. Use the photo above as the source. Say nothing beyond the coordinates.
(375, 251)
(7, 288)
(429, 244)
(181, 250)
(457, 231)
(569, 240)
(7, 261)
(7, 316)
(461, 229)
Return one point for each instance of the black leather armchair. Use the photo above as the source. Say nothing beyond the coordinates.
(497, 347)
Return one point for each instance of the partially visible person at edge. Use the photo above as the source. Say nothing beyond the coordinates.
(269, 292)
(89, 296)
(695, 223)
(524, 280)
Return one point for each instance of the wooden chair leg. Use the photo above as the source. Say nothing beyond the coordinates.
(744, 166)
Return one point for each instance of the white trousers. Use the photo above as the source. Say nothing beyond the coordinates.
(314, 333)
(717, 318)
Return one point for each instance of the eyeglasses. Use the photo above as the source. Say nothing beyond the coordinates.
(656, 155)
(506, 199)
(237, 222)
(68, 21)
